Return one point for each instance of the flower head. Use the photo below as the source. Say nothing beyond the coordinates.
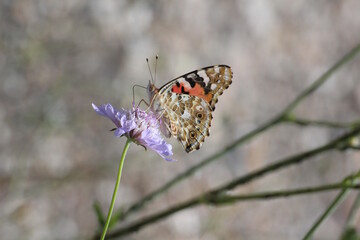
(141, 127)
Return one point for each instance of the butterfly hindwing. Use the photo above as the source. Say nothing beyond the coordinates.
(189, 117)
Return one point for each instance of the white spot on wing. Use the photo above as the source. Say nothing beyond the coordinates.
(186, 115)
(173, 97)
(199, 108)
(184, 82)
(204, 76)
(227, 74)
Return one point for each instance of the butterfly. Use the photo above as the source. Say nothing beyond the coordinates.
(185, 104)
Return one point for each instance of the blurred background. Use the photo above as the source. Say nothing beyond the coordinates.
(57, 156)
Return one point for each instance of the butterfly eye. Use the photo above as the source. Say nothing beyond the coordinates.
(199, 115)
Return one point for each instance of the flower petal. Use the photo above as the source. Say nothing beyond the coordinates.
(126, 124)
(119, 132)
(154, 141)
(107, 110)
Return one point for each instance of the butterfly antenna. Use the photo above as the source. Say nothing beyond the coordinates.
(152, 79)
(156, 60)
(133, 102)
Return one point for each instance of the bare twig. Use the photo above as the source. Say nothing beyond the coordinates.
(339, 198)
(354, 179)
(319, 123)
(339, 143)
(349, 230)
(230, 199)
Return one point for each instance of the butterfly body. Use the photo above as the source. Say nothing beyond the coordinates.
(185, 105)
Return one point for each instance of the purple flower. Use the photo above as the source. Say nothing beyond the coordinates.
(141, 127)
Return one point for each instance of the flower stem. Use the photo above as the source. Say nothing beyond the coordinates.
(127, 145)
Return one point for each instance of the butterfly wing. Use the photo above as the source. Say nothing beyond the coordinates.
(207, 83)
(189, 119)
(188, 102)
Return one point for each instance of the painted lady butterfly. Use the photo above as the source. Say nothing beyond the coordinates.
(184, 105)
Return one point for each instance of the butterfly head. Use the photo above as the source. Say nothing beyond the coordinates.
(151, 90)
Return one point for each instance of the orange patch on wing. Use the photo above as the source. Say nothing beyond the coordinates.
(176, 89)
(197, 91)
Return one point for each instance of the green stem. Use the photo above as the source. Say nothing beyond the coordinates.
(297, 158)
(349, 226)
(351, 221)
(127, 145)
(230, 199)
(306, 122)
(339, 198)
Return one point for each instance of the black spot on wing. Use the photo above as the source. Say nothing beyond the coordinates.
(199, 80)
(193, 78)
(207, 90)
(188, 148)
(183, 90)
(190, 81)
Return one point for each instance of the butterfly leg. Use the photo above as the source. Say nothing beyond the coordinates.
(143, 101)
(162, 111)
(133, 92)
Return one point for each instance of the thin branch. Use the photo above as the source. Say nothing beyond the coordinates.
(353, 179)
(349, 226)
(350, 182)
(337, 201)
(230, 199)
(351, 221)
(339, 143)
(319, 123)
(271, 123)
